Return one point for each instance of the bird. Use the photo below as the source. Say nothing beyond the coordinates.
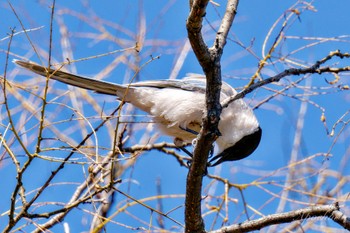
(178, 106)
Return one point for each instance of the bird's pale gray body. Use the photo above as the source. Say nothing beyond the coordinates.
(175, 104)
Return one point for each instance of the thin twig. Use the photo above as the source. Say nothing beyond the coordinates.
(314, 69)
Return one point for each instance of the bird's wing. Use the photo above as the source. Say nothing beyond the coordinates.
(227, 90)
(72, 79)
(195, 84)
(185, 84)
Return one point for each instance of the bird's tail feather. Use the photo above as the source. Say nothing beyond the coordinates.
(75, 80)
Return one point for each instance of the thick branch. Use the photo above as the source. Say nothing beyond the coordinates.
(193, 213)
(209, 59)
(330, 211)
(194, 27)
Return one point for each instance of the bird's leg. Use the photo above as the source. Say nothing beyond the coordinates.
(189, 162)
(211, 152)
(186, 151)
(189, 130)
(194, 141)
(179, 143)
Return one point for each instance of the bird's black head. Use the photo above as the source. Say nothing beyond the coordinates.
(239, 150)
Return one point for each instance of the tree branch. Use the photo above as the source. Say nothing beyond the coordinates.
(330, 211)
(314, 69)
(209, 60)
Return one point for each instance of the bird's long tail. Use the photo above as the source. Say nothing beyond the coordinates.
(75, 80)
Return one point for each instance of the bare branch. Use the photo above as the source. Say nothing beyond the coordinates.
(330, 211)
(314, 69)
(209, 60)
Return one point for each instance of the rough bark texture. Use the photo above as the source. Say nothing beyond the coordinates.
(209, 59)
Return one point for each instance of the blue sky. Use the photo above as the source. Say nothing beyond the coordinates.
(163, 27)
